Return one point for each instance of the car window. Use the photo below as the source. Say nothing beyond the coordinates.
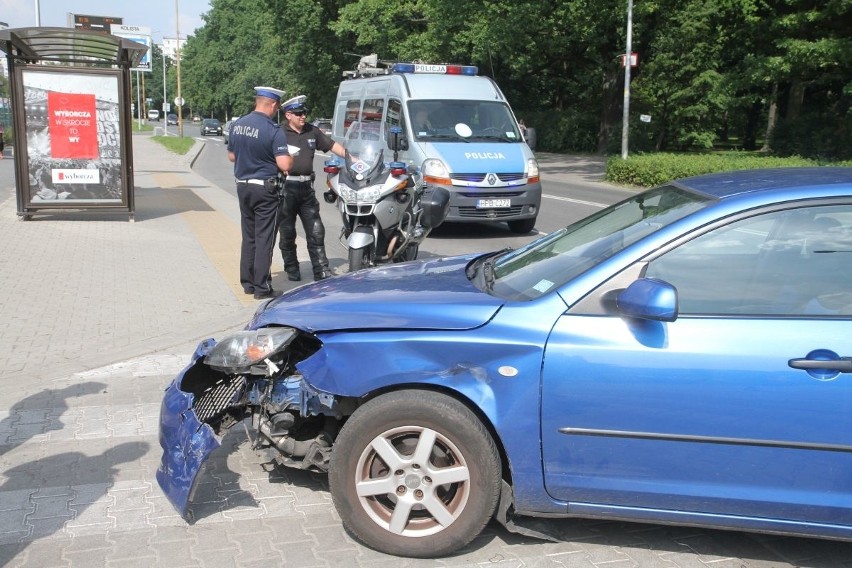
(785, 263)
(561, 256)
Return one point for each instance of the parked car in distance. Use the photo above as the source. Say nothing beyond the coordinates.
(171, 118)
(211, 126)
(196, 118)
(680, 357)
(324, 124)
(154, 115)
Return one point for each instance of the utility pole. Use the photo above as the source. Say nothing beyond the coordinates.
(165, 100)
(177, 54)
(625, 126)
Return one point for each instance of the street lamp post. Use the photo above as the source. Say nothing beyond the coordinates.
(177, 55)
(165, 100)
(626, 118)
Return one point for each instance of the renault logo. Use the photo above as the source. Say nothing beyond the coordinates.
(492, 179)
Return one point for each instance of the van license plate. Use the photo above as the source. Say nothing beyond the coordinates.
(493, 203)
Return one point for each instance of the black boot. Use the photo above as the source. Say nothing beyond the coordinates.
(291, 265)
(320, 263)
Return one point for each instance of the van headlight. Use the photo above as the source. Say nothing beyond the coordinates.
(532, 168)
(435, 168)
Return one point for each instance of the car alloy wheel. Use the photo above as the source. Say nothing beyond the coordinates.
(415, 473)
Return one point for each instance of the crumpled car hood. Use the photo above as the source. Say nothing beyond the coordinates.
(430, 294)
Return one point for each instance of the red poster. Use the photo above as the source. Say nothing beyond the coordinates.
(73, 125)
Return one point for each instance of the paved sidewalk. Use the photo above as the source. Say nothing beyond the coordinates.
(77, 292)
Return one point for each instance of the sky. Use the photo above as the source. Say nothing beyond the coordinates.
(159, 15)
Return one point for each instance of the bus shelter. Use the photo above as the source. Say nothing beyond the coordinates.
(71, 116)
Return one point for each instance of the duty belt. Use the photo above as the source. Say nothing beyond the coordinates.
(252, 181)
(299, 178)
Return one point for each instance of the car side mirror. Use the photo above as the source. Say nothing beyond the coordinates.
(650, 299)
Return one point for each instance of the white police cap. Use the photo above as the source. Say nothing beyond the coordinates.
(296, 103)
(269, 93)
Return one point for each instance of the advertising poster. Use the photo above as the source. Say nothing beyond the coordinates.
(73, 137)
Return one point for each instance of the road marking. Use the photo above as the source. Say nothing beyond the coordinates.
(577, 201)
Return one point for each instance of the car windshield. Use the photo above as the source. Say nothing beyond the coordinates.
(561, 256)
(463, 121)
(211, 122)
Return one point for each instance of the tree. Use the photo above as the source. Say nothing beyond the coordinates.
(235, 50)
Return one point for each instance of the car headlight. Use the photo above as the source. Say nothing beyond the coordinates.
(237, 353)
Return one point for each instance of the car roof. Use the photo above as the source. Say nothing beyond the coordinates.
(729, 184)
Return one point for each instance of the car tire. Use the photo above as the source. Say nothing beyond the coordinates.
(371, 495)
(522, 226)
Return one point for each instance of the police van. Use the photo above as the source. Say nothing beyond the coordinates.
(457, 127)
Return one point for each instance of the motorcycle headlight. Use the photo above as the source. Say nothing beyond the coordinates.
(237, 353)
(359, 196)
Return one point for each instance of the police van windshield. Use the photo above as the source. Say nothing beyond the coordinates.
(462, 121)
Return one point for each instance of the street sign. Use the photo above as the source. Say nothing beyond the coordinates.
(93, 23)
(139, 34)
(167, 107)
(634, 59)
(179, 101)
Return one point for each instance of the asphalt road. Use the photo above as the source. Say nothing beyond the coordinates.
(563, 202)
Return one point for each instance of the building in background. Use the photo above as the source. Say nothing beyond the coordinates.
(170, 46)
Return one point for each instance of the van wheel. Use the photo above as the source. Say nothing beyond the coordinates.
(523, 226)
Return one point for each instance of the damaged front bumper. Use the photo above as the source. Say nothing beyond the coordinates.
(186, 440)
(249, 373)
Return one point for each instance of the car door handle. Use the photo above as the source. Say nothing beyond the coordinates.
(842, 365)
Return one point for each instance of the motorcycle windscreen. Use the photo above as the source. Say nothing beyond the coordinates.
(186, 441)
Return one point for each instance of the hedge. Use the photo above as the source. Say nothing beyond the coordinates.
(649, 170)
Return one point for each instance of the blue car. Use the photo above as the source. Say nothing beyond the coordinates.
(683, 357)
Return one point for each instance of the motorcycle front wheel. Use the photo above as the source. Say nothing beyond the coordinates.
(358, 259)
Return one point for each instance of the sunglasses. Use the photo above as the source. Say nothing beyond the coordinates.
(298, 112)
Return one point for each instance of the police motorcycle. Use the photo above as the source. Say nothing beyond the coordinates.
(386, 207)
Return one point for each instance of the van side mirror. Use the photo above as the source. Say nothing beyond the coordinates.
(530, 137)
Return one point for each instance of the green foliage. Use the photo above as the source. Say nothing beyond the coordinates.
(237, 49)
(177, 144)
(814, 135)
(563, 131)
(709, 71)
(648, 170)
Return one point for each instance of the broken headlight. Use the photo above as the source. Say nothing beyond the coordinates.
(239, 352)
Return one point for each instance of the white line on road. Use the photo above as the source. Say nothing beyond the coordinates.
(577, 201)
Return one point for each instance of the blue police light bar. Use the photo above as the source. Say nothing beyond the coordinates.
(438, 69)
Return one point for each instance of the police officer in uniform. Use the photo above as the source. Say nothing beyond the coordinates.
(298, 198)
(258, 147)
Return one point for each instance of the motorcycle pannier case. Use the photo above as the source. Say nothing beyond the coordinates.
(436, 205)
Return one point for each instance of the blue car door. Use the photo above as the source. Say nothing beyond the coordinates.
(718, 411)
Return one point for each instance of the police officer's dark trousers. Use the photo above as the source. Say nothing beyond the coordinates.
(300, 200)
(258, 219)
